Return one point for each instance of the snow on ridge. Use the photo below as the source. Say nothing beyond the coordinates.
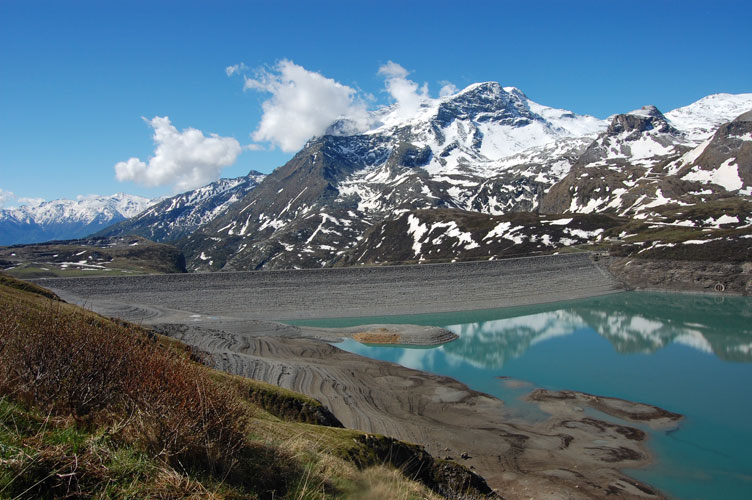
(701, 118)
(645, 112)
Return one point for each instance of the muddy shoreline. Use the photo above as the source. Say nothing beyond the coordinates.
(568, 455)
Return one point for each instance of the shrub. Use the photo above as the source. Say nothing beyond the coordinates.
(70, 362)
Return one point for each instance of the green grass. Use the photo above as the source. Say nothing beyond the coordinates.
(31, 288)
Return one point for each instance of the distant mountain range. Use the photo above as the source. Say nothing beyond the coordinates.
(160, 220)
(483, 173)
(66, 219)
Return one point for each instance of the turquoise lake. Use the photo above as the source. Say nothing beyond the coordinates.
(690, 354)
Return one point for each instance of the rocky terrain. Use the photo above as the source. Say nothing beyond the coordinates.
(345, 292)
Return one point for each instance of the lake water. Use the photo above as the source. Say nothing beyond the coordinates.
(689, 354)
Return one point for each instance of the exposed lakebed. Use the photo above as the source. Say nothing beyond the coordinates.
(689, 354)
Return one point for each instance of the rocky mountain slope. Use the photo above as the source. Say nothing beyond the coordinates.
(642, 162)
(484, 152)
(444, 235)
(180, 215)
(66, 219)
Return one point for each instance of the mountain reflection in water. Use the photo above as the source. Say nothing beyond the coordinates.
(632, 322)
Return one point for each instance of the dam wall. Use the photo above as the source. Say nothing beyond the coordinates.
(344, 292)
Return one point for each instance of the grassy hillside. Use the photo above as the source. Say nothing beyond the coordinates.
(93, 408)
(91, 257)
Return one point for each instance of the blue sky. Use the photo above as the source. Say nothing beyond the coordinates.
(77, 77)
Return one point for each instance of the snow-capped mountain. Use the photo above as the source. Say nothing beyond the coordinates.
(484, 150)
(724, 160)
(66, 219)
(178, 216)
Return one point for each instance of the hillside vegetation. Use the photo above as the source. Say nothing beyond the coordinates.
(96, 408)
(91, 257)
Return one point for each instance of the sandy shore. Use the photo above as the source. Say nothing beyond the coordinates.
(572, 454)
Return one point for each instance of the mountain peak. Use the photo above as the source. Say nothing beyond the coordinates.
(487, 102)
(493, 87)
(640, 120)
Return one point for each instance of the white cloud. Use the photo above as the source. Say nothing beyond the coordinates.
(408, 94)
(31, 202)
(183, 159)
(5, 197)
(393, 70)
(302, 105)
(447, 89)
(235, 69)
(9, 198)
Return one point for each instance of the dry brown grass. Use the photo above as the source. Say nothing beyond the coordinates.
(69, 362)
(381, 483)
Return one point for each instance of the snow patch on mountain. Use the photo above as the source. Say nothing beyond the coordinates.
(726, 176)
